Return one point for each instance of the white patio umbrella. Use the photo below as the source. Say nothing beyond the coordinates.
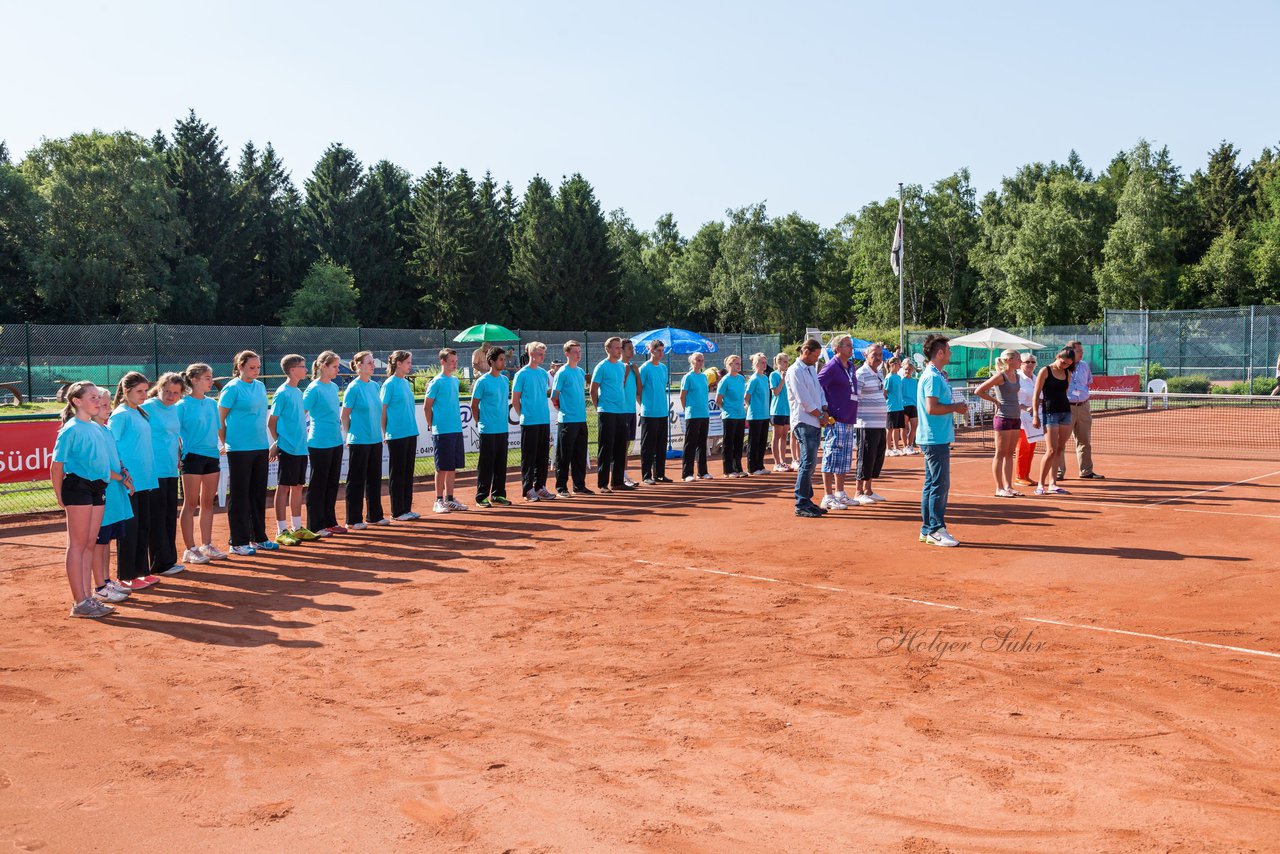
(991, 338)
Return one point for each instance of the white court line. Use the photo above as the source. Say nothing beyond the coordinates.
(1213, 489)
(1244, 650)
(1102, 503)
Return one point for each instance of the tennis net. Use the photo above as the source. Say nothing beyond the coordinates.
(1202, 426)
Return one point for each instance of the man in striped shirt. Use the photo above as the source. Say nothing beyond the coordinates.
(873, 416)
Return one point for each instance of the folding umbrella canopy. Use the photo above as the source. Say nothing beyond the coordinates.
(991, 338)
(486, 332)
(859, 349)
(681, 342)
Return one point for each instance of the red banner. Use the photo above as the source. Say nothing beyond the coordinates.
(1131, 382)
(26, 449)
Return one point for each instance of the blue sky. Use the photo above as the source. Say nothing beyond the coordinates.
(689, 107)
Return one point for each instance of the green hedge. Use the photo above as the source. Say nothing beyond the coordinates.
(1190, 384)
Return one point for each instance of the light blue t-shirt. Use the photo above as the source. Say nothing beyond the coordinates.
(780, 405)
(85, 451)
(247, 418)
(397, 397)
(910, 388)
(291, 420)
(321, 402)
(165, 432)
(733, 389)
(629, 389)
(533, 383)
(653, 390)
(491, 391)
(611, 376)
(571, 384)
(362, 398)
(198, 426)
(696, 398)
(133, 440)
(445, 415)
(893, 385)
(758, 393)
(934, 429)
(116, 506)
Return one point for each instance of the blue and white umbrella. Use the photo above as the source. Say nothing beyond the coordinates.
(681, 342)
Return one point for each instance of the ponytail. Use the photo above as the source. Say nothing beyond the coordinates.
(75, 391)
(193, 371)
(241, 357)
(131, 380)
(323, 359)
(357, 359)
(395, 359)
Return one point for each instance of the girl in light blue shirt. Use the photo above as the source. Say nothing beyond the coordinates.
(731, 398)
(242, 414)
(201, 464)
(400, 426)
(362, 425)
(166, 442)
(131, 427)
(324, 445)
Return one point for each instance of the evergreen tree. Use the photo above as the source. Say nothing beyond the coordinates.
(1218, 200)
(333, 205)
(796, 252)
(690, 282)
(1139, 264)
(665, 245)
(381, 262)
(21, 212)
(202, 180)
(441, 248)
(491, 268)
(536, 264)
(641, 304)
(587, 289)
(327, 297)
(274, 251)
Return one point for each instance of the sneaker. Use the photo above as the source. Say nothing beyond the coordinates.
(90, 608)
(244, 551)
(304, 535)
(563, 493)
(808, 513)
(483, 502)
(531, 495)
(359, 526)
(439, 506)
(843, 498)
(384, 522)
(648, 481)
(322, 533)
(780, 469)
(286, 538)
(1004, 493)
(759, 471)
(136, 583)
(941, 538)
(664, 479)
(584, 491)
(628, 486)
(862, 500)
(405, 517)
(876, 497)
(174, 570)
(336, 529)
(213, 552)
(546, 495)
(454, 504)
(1093, 475)
(112, 584)
(690, 479)
(832, 502)
(706, 477)
(627, 481)
(500, 500)
(108, 593)
(195, 556)
(892, 452)
(268, 546)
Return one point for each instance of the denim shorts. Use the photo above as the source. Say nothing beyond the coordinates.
(1055, 419)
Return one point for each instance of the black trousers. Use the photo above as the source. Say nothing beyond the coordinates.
(612, 449)
(695, 446)
(163, 539)
(491, 469)
(733, 428)
(247, 496)
(131, 548)
(757, 443)
(871, 443)
(402, 455)
(653, 447)
(364, 483)
(322, 492)
(571, 455)
(535, 456)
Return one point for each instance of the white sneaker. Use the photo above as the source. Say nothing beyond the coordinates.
(877, 497)
(244, 551)
(629, 482)
(690, 479)
(323, 532)
(893, 452)
(832, 502)
(863, 500)
(118, 587)
(454, 504)
(211, 551)
(439, 506)
(173, 570)
(845, 500)
(107, 593)
(780, 469)
(707, 476)
(759, 471)
(384, 521)
(941, 538)
(195, 556)
(406, 517)
(531, 495)
(359, 526)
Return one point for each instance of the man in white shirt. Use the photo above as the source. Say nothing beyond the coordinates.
(808, 410)
(1081, 414)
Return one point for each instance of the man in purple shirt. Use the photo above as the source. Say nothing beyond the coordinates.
(1081, 415)
(841, 389)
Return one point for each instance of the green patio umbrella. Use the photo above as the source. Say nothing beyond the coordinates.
(482, 332)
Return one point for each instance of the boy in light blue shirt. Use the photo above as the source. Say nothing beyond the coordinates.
(489, 411)
(444, 419)
(568, 393)
(287, 426)
(934, 435)
(654, 411)
(530, 399)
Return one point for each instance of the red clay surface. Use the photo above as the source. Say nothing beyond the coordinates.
(584, 675)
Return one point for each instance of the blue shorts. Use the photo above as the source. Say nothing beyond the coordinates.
(837, 448)
(1055, 419)
(448, 451)
(107, 533)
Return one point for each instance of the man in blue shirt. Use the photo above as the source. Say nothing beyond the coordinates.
(1081, 415)
(653, 416)
(934, 435)
(608, 384)
(568, 393)
(529, 398)
(489, 411)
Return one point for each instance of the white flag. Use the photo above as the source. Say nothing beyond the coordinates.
(895, 255)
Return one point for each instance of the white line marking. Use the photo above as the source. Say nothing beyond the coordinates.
(1153, 637)
(1213, 489)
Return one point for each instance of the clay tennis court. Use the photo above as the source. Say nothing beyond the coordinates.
(685, 668)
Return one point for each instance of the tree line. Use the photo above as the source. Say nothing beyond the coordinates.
(115, 227)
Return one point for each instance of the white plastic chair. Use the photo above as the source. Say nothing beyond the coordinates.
(1158, 386)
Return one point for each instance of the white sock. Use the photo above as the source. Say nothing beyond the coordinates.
(281, 527)
(297, 523)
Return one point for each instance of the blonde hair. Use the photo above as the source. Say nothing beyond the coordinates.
(75, 391)
(1002, 361)
(532, 346)
(354, 364)
(608, 342)
(166, 379)
(396, 357)
(194, 371)
(730, 358)
(693, 357)
(755, 356)
(241, 359)
(325, 358)
(129, 381)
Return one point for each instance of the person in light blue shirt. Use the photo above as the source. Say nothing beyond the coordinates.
(288, 428)
(242, 413)
(400, 424)
(166, 440)
(654, 412)
(131, 428)
(530, 398)
(631, 402)
(934, 436)
(568, 393)
(362, 425)
(780, 414)
(731, 399)
(443, 416)
(116, 513)
(324, 445)
(910, 390)
(608, 393)
(489, 409)
(757, 399)
(201, 464)
(897, 418)
(694, 400)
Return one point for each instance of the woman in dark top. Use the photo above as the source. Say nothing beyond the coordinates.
(1050, 408)
(1007, 421)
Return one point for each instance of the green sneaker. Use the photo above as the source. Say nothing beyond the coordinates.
(284, 538)
(482, 502)
(501, 500)
(304, 534)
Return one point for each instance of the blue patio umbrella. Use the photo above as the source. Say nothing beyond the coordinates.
(681, 342)
(859, 350)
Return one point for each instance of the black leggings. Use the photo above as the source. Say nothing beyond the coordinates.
(733, 428)
(322, 493)
(402, 454)
(364, 483)
(131, 548)
(571, 455)
(491, 468)
(757, 443)
(163, 540)
(612, 450)
(695, 446)
(247, 496)
(653, 447)
(535, 453)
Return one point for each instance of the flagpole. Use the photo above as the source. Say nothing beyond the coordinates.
(902, 321)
